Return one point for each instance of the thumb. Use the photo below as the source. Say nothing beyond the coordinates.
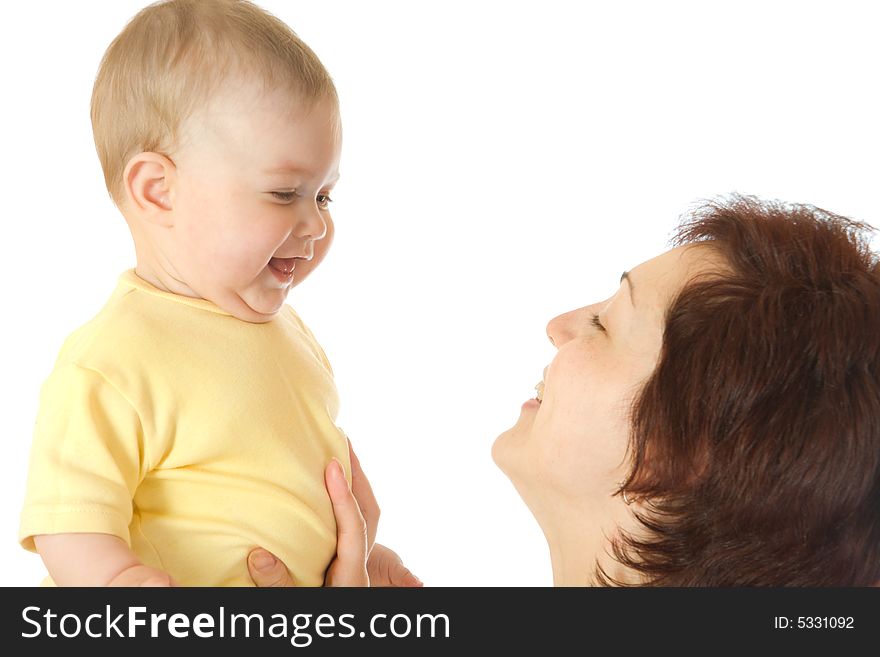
(267, 571)
(349, 567)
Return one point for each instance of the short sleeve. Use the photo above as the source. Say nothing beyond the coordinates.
(86, 458)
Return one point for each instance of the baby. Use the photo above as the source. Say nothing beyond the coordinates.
(191, 420)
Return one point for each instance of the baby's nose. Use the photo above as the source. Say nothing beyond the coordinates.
(310, 225)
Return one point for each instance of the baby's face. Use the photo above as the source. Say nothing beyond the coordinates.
(250, 198)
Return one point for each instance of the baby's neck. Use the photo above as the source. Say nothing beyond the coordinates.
(152, 266)
(163, 280)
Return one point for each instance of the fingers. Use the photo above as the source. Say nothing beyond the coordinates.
(158, 580)
(349, 568)
(401, 576)
(267, 571)
(363, 493)
(394, 573)
(386, 569)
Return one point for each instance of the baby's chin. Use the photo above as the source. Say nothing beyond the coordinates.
(254, 306)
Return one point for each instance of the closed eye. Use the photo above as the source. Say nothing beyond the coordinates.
(595, 322)
(284, 196)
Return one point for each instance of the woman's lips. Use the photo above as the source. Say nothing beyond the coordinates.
(531, 404)
(535, 401)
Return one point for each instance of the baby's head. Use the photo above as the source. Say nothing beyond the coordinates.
(218, 132)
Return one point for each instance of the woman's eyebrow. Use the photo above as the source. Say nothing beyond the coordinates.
(625, 276)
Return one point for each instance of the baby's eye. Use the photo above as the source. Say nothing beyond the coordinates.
(324, 201)
(595, 322)
(284, 196)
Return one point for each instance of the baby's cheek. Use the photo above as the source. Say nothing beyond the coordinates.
(268, 237)
(240, 252)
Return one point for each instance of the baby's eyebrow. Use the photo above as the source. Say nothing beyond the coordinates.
(290, 167)
(287, 167)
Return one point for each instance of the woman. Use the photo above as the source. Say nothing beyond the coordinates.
(716, 422)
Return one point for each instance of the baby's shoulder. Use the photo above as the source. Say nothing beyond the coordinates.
(120, 333)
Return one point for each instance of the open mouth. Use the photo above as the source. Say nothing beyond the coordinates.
(284, 266)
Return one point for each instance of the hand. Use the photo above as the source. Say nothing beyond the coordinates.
(142, 576)
(349, 567)
(386, 569)
(384, 566)
(364, 497)
(357, 517)
(353, 535)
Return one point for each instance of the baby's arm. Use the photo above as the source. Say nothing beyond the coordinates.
(95, 560)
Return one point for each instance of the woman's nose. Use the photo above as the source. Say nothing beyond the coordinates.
(561, 329)
(569, 325)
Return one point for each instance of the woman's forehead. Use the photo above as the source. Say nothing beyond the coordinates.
(655, 282)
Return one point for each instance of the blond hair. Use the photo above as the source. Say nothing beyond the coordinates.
(172, 56)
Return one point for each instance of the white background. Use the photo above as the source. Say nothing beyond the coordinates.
(503, 162)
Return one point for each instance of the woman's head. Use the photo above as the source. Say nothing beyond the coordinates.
(736, 399)
(567, 454)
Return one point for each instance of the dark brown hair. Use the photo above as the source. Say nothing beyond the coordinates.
(756, 441)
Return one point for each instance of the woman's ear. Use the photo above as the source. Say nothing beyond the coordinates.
(148, 179)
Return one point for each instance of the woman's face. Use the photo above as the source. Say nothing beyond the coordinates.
(574, 441)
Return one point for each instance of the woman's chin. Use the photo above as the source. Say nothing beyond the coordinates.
(497, 451)
(504, 450)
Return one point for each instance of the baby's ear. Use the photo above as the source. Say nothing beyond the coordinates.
(147, 178)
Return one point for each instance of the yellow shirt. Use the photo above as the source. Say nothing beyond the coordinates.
(190, 434)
